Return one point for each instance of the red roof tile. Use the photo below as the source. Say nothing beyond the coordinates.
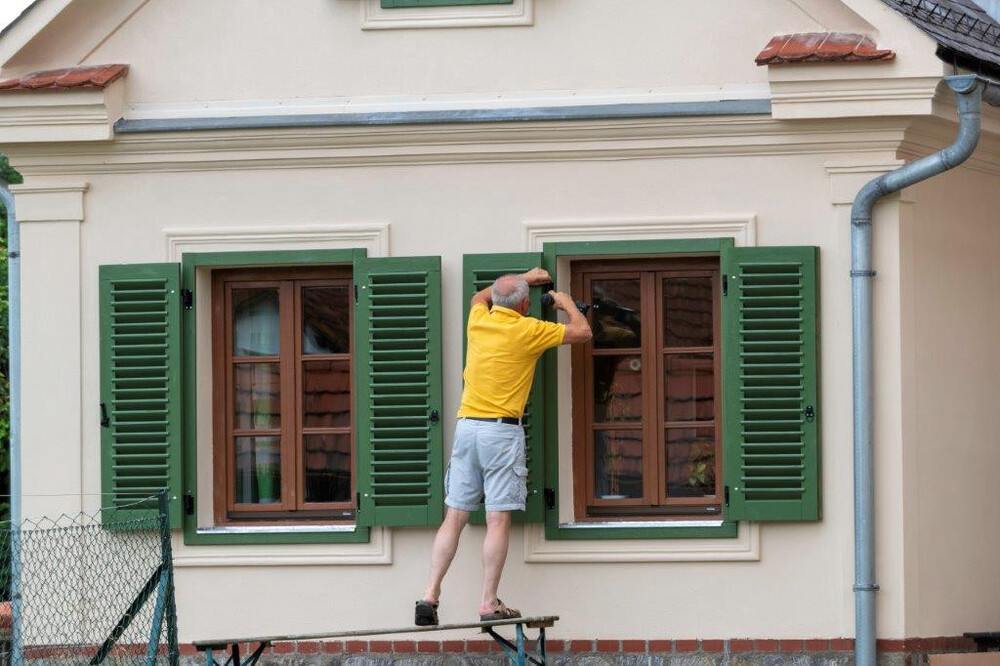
(91, 76)
(821, 47)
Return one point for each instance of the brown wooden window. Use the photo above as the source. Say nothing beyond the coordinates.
(282, 393)
(646, 389)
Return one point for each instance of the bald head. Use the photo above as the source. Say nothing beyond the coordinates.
(509, 291)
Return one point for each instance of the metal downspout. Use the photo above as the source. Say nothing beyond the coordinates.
(969, 92)
(14, 356)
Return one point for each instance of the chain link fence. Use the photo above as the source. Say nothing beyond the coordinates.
(94, 589)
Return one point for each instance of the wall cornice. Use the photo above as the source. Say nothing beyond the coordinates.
(461, 143)
(51, 116)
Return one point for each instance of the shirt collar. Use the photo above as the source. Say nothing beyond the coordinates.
(507, 311)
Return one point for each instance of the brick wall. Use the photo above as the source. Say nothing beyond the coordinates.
(692, 652)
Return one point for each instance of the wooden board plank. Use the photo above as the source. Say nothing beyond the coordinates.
(538, 622)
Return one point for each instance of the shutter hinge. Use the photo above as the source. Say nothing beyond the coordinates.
(187, 299)
(105, 419)
(355, 294)
(358, 502)
(725, 285)
(550, 498)
(725, 493)
(188, 504)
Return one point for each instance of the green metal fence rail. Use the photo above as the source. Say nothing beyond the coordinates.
(94, 590)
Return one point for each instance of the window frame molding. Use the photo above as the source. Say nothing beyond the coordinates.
(191, 264)
(516, 13)
(553, 253)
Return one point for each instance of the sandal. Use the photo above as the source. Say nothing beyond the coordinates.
(500, 612)
(425, 614)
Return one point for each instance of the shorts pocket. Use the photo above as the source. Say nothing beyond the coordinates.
(520, 490)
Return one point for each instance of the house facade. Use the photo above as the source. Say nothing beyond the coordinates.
(250, 232)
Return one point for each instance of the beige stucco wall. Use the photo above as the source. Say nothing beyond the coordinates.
(452, 190)
(951, 317)
(784, 581)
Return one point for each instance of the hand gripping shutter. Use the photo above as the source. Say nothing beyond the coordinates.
(771, 408)
(140, 407)
(398, 334)
(479, 271)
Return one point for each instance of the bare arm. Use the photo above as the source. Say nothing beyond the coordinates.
(534, 277)
(577, 328)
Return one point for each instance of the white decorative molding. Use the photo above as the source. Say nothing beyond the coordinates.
(462, 143)
(60, 116)
(374, 237)
(49, 200)
(378, 550)
(793, 96)
(374, 17)
(848, 177)
(744, 548)
(741, 227)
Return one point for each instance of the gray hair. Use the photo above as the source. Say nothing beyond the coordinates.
(509, 291)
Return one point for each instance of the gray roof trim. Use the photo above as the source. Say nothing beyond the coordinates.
(960, 27)
(523, 114)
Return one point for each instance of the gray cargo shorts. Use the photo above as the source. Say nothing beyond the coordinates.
(487, 458)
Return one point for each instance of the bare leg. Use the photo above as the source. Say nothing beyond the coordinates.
(445, 545)
(494, 556)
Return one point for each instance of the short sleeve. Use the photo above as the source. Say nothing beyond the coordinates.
(478, 311)
(544, 335)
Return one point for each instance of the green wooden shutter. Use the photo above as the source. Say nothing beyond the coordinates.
(771, 411)
(479, 271)
(140, 322)
(398, 391)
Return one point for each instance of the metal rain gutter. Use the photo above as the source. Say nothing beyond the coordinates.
(969, 90)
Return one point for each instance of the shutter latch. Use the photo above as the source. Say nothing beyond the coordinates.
(725, 284)
(725, 493)
(810, 413)
(434, 417)
(105, 419)
(187, 299)
(550, 498)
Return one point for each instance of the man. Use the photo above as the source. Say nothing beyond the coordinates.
(488, 456)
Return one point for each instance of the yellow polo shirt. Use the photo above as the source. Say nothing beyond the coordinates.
(503, 347)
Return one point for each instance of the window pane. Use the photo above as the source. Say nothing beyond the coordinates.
(616, 313)
(258, 470)
(687, 312)
(617, 388)
(690, 387)
(327, 468)
(618, 464)
(326, 394)
(257, 389)
(255, 322)
(690, 462)
(326, 323)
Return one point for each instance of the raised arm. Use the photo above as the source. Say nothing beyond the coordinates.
(534, 277)
(577, 328)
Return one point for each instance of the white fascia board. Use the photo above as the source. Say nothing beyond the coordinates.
(29, 24)
(46, 116)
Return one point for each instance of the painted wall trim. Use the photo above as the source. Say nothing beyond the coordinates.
(737, 107)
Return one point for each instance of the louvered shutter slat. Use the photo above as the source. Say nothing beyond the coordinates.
(479, 271)
(399, 388)
(140, 388)
(770, 366)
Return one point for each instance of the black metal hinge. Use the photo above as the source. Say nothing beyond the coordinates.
(355, 294)
(550, 498)
(358, 502)
(187, 299)
(105, 419)
(725, 285)
(725, 492)
(188, 504)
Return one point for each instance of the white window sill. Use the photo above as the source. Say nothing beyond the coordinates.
(744, 548)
